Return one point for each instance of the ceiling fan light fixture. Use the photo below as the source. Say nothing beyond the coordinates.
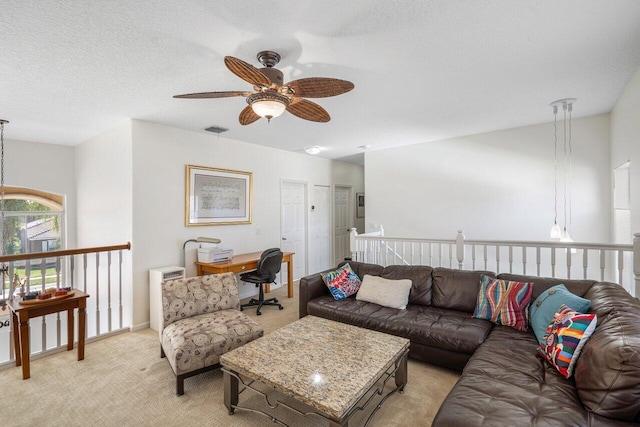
(268, 104)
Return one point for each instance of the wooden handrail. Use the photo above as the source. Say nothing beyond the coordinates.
(54, 254)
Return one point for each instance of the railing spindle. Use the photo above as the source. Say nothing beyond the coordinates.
(98, 294)
(486, 257)
(602, 264)
(43, 274)
(524, 260)
(84, 263)
(553, 262)
(620, 266)
(538, 260)
(568, 254)
(120, 286)
(585, 263)
(109, 291)
(58, 321)
(473, 257)
(510, 259)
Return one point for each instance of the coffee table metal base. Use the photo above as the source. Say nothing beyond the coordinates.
(234, 385)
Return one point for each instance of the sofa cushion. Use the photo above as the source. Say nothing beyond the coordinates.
(547, 304)
(197, 342)
(342, 282)
(456, 289)
(420, 276)
(506, 382)
(607, 374)
(362, 268)
(540, 284)
(504, 302)
(386, 292)
(567, 333)
(434, 327)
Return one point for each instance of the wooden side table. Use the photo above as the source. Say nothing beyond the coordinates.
(20, 315)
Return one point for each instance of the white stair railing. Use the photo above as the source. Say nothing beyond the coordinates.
(97, 271)
(616, 263)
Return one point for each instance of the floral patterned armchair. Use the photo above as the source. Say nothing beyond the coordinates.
(201, 321)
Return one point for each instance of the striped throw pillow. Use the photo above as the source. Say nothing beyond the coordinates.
(565, 337)
(504, 302)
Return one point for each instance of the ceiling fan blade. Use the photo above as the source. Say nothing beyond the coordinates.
(308, 110)
(248, 116)
(319, 87)
(227, 94)
(246, 72)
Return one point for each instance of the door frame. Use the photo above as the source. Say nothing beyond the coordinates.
(305, 184)
(330, 208)
(350, 213)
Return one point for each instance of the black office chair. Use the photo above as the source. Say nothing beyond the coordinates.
(269, 265)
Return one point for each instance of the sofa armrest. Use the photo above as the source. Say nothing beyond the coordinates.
(311, 287)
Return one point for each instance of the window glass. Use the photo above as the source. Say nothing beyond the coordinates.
(33, 222)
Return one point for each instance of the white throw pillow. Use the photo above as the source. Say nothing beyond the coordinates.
(386, 292)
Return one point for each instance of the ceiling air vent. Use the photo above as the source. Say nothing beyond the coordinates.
(216, 129)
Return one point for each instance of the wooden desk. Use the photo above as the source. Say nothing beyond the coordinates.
(246, 262)
(20, 315)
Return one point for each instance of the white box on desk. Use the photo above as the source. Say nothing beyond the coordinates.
(214, 254)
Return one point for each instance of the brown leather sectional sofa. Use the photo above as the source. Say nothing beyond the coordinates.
(504, 381)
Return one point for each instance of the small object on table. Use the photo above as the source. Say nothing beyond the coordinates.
(60, 292)
(44, 296)
(31, 295)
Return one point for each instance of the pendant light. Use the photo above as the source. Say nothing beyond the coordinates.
(567, 107)
(555, 229)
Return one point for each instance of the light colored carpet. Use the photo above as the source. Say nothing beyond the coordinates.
(124, 382)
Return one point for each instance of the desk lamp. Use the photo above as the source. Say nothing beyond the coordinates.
(197, 240)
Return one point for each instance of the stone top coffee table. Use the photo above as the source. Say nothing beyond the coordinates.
(329, 366)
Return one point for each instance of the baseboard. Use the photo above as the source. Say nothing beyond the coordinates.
(139, 326)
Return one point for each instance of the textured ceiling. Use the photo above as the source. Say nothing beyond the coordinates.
(423, 70)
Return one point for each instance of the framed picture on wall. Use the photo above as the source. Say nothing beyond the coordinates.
(359, 205)
(217, 196)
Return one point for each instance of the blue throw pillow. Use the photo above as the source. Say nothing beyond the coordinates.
(548, 303)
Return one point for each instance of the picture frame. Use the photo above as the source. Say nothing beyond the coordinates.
(359, 205)
(217, 196)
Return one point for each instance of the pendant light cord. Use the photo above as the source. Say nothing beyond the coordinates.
(570, 156)
(564, 120)
(555, 164)
(3, 267)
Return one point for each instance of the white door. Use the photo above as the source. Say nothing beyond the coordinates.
(293, 226)
(342, 224)
(320, 230)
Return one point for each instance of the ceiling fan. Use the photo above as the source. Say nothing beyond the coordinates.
(271, 97)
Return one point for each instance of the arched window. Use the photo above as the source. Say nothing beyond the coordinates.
(33, 221)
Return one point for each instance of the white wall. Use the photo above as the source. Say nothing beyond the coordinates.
(497, 185)
(160, 155)
(625, 140)
(46, 167)
(104, 188)
(350, 175)
(104, 191)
